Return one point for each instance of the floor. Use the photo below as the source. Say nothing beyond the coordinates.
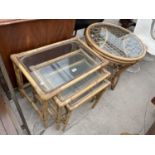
(127, 109)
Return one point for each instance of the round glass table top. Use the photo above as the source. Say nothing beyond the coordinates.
(115, 41)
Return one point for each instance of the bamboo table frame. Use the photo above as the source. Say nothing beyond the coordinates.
(118, 63)
(95, 94)
(45, 98)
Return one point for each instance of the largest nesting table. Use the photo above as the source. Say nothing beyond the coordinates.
(118, 45)
(62, 76)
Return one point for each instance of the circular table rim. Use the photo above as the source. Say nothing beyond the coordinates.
(106, 54)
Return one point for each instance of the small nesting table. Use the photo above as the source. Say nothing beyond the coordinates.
(62, 76)
(118, 45)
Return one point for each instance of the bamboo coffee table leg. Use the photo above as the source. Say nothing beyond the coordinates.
(34, 95)
(58, 119)
(68, 115)
(45, 113)
(115, 80)
(19, 78)
(98, 96)
(116, 76)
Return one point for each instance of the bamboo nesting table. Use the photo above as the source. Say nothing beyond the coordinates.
(118, 45)
(63, 76)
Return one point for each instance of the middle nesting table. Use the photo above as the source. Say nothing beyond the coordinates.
(63, 76)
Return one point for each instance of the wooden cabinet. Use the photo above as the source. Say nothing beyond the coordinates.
(21, 35)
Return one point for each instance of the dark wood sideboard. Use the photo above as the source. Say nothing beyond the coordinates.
(21, 35)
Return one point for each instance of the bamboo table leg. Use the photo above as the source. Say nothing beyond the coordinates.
(68, 115)
(97, 97)
(34, 95)
(58, 119)
(115, 80)
(45, 113)
(19, 78)
(118, 69)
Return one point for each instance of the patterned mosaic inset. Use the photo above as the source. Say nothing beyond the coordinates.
(116, 41)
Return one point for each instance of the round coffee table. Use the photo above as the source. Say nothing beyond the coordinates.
(120, 46)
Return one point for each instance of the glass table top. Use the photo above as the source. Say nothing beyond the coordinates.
(116, 41)
(100, 85)
(94, 90)
(67, 93)
(57, 66)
